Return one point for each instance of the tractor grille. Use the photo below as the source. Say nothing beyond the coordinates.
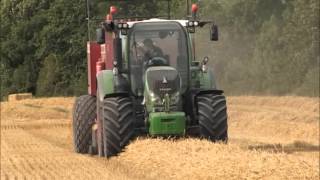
(162, 80)
(161, 88)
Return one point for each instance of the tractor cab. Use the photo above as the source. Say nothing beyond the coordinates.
(156, 43)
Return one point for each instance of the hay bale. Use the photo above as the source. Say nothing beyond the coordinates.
(18, 97)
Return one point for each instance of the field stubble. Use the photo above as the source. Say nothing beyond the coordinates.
(270, 138)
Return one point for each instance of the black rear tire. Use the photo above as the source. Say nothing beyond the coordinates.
(212, 115)
(118, 124)
(84, 114)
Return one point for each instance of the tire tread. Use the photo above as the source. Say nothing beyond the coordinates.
(212, 116)
(84, 114)
(118, 124)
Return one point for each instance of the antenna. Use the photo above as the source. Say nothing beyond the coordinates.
(187, 8)
(169, 4)
(88, 19)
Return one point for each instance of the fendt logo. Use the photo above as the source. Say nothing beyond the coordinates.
(164, 81)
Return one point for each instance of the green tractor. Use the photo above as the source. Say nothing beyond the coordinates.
(143, 78)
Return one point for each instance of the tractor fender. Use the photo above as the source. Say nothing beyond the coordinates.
(110, 85)
(105, 83)
(209, 91)
(207, 80)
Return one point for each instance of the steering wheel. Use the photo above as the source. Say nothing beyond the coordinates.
(156, 61)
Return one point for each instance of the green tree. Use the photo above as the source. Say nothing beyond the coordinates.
(265, 47)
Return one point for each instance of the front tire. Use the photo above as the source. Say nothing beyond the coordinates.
(84, 114)
(212, 114)
(118, 124)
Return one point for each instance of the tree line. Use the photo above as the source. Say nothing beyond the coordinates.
(265, 47)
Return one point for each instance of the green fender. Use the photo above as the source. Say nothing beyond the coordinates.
(105, 83)
(207, 80)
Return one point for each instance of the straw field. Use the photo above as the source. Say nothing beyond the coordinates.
(270, 138)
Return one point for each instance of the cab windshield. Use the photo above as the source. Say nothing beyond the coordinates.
(157, 44)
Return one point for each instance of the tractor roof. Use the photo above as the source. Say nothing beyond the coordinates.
(182, 22)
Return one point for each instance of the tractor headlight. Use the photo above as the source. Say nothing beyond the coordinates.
(120, 25)
(125, 26)
(155, 99)
(190, 23)
(175, 98)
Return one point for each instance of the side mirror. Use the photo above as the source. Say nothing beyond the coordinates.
(205, 60)
(100, 36)
(204, 63)
(214, 33)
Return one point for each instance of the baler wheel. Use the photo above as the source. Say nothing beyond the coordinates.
(84, 114)
(212, 115)
(118, 124)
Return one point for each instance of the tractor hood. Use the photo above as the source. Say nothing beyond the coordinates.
(162, 80)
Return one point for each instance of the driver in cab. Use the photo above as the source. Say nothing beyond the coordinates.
(153, 55)
(150, 50)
